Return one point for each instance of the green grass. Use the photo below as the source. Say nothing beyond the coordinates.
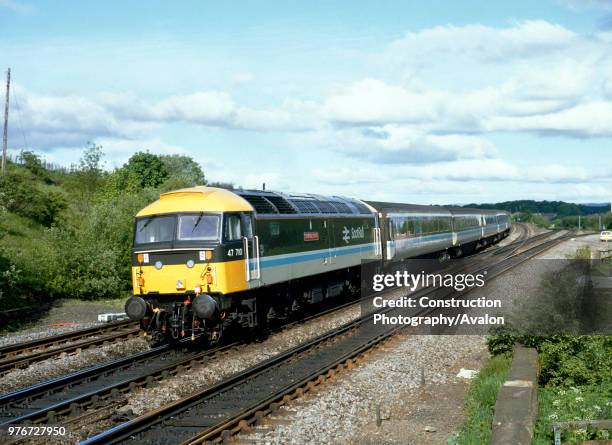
(480, 402)
(559, 404)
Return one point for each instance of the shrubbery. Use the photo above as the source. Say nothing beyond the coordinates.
(565, 360)
(91, 258)
(22, 196)
(76, 239)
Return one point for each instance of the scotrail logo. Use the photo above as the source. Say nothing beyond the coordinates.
(352, 233)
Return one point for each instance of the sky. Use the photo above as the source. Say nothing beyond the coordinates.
(409, 101)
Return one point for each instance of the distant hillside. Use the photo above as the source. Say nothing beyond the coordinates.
(559, 208)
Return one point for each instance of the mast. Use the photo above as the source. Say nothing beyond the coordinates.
(6, 111)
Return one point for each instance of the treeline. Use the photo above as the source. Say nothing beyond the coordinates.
(560, 209)
(68, 233)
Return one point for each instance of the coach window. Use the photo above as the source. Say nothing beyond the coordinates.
(232, 227)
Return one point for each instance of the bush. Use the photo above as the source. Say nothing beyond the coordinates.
(91, 258)
(20, 195)
(565, 360)
(31, 161)
(558, 404)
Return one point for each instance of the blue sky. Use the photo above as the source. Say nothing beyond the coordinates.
(448, 102)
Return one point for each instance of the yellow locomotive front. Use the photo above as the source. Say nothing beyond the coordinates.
(186, 257)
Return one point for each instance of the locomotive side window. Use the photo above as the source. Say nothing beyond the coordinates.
(247, 220)
(232, 227)
(275, 228)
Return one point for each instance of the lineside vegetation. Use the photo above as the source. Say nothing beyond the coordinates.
(67, 232)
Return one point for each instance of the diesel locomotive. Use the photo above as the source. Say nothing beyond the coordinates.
(205, 259)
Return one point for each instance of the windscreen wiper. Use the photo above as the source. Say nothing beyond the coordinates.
(147, 222)
(200, 216)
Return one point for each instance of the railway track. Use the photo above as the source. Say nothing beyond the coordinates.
(21, 355)
(216, 413)
(100, 385)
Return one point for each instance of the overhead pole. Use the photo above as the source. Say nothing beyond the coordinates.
(6, 112)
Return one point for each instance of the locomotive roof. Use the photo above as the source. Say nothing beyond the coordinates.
(197, 199)
(274, 203)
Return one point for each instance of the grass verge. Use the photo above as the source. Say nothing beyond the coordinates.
(480, 402)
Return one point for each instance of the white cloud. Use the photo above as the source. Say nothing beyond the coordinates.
(547, 79)
(372, 101)
(584, 120)
(423, 111)
(528, 39)
(402, 144)
(206, 108)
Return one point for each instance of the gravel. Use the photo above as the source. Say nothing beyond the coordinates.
(242, 358)
(69, 315)
(568, 248)
(343, 411)
(66, 363)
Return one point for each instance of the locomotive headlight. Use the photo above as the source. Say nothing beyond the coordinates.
(158, 265)
(180, 284)
(190, 263)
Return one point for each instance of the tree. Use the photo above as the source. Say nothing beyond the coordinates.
(184, 167)
(148, 168)
(32, 162)
(86, 179)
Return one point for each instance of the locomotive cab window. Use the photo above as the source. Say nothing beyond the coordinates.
(198, 227)
(154, 229)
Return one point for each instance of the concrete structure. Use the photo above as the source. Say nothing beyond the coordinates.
(516, 408)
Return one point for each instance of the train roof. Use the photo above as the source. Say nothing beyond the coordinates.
(394, 207)
(466, 211)
(474, 211)
(275, 203)
(265, 202)
(195, 199)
